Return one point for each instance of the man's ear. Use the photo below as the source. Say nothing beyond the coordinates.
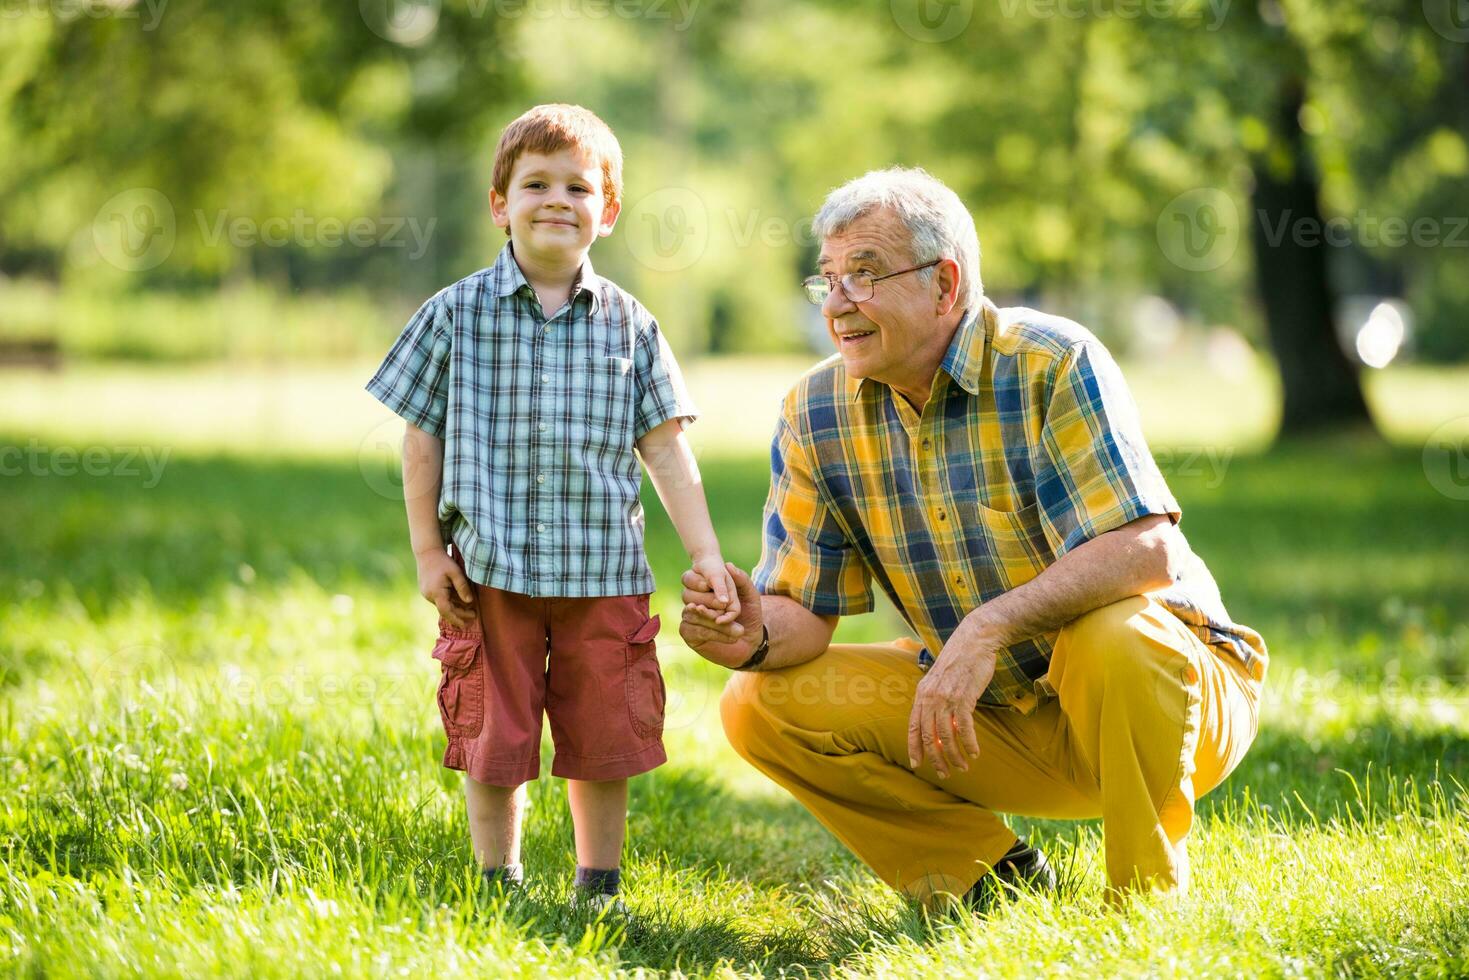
(500, 211)
(948, 280)
(610, 211)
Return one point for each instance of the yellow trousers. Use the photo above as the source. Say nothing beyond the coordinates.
(1145, 718)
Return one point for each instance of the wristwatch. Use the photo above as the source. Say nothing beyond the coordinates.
(758, 657)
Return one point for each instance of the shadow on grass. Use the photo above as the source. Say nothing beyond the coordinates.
(107, 538)
(1290, 535)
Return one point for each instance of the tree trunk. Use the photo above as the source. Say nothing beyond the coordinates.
(1322, 386)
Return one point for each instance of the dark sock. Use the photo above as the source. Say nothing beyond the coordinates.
(506, 875)
(599, 881)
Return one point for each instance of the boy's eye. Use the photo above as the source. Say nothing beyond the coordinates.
(534, 185)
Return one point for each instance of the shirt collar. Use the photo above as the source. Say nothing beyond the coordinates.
(506, 278)
(964, 360)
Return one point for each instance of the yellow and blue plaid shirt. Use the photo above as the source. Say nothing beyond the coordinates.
(1028, 446)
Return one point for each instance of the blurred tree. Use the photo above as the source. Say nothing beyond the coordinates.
(252, 111)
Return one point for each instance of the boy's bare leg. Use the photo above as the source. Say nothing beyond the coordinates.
(599, 817)
(494, 822)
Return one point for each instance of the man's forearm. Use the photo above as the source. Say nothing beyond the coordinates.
(423, 470)
(797, 635)
(1128, 561)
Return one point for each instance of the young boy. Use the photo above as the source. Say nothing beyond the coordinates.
(526, 388)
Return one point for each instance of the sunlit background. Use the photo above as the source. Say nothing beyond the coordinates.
(218, 741)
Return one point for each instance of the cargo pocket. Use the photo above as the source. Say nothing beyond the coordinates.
(462, 687)
(645, 692)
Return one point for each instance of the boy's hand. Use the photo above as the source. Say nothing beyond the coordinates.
(443, 583)
(713, 576)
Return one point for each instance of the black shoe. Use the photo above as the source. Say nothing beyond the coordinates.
(1022, 866)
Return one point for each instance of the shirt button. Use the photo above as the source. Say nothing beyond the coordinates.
(540, 478)
(540, 527)
(542, 427)
(545, 379)
(546, 328)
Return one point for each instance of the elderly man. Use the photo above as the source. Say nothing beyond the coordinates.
(986, 466)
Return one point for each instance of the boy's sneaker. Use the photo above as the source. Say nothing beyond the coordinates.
(598, 903)
(506, 878)
(1022, 866)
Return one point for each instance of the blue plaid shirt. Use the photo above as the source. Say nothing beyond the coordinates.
(539, 418)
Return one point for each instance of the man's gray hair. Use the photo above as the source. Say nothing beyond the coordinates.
(939, 225)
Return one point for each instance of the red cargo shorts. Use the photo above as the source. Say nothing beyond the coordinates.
(590, 664)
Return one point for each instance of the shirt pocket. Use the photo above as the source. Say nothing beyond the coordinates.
(608, 410)
(646, 693)
(1006, 548)
(461, 683)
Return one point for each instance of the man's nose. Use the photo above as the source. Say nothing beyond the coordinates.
(836, 303)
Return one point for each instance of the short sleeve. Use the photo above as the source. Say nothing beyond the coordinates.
(1094, 472)
(413, 379)
(661, 394)
(807, 556)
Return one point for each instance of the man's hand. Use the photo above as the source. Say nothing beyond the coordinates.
(443, 583)
(941, 727)
(728, 644)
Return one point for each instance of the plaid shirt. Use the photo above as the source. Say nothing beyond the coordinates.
(1028, 446)
(539, 418)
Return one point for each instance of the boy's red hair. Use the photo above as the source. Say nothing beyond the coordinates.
(555, 127)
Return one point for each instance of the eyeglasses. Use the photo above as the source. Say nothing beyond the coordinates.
(859, 286)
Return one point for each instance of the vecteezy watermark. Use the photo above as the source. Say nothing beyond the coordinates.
(1208, 14)
(1199, 229)
(149, 12)
(1207, 463)
(406, 22)
(680, 13)
(143, 672)
(687, 693)
(135, 230)
(309, 231)
(380, 461)
(121, 461)
(668, 229)
(932, 21)
(1446, 459)
(1362, 228)
(135, 673)
(1448, 18)
(301, 687)
(138, 229)
(413, 22)
(936, 21)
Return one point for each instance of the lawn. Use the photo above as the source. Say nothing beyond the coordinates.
(219, 748)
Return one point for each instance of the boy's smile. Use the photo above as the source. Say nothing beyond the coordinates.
(554, 207)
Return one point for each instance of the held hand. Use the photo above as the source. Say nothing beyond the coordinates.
(728, 644)
(714, 578)
(941, 728)
(443, 583)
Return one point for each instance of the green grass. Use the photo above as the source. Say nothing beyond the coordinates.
(218, 744)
